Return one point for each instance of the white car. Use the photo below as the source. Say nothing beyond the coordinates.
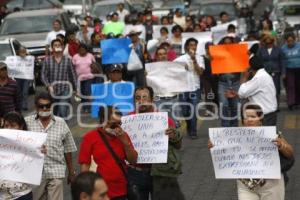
(286, 14)
(75, 6)
(9, 47)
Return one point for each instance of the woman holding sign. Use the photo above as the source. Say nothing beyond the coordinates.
(264, 189)
(11, 189)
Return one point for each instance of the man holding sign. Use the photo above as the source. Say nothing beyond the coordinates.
(250, 155)
(164, 175)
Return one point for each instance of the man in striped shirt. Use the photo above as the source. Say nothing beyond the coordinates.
(10, 95)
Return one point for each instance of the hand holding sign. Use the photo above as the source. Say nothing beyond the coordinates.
(229, 58)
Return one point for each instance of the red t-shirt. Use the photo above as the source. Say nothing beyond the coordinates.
(93, 145)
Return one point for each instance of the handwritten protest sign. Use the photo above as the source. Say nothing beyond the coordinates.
(156, 30)
(229, 58)
(246, 152)
(147, 133)
(115, 51)
(163, 76)
(21, 159)
(220, 31)
(117, 94)
(202, 38)
(22, 68)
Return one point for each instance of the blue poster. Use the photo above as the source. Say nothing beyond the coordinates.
(115, 51)
(114, 94)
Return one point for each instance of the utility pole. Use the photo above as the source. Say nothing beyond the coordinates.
(84, 7)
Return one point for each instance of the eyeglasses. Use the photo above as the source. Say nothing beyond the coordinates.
(44, 106)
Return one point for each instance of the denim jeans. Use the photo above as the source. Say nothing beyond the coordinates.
(24, 89)
(228, 106)
(169, 105)
(140, 184)
(85, 89)
(63, 109)
(189, 101)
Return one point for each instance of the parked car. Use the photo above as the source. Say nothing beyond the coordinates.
(9, 47)
(286, 14)
(75, 6)
(215, 7)
(31, 29)
(103, 8)
(170, 6)
(33, 4)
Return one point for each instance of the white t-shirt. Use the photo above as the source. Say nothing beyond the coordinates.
(122, 14)
(52, 35)
(260, 90)
(193, 77)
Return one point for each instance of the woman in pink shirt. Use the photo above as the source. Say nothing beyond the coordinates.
(82, 62)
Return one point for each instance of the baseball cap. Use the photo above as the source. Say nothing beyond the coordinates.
(115, 67)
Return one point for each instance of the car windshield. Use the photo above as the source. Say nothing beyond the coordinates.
(212, 9)
(5, 51)
(21, 25)
(292, 10)
(70, 2)
(103, 10)
(171, 4)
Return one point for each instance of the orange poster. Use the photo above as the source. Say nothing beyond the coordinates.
(229, 58)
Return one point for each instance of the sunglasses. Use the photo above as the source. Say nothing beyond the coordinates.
(44, 106)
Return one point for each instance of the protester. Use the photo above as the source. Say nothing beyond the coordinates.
(57, 29)
(96, 48)
(23, 84)
(164, 35)
(176, 40)
(224, 17)
(110, 146)
(84, 35)
(63, 39)
(164, 180)
(148, 24)
(271, 56)
(263, 189)
(228, 83)
(58, 74)
(166, 102)
(60, 145)
(209, 83)
(10, 96)
(195, 66)
(89, 185)
(82, 62)
(179, 18)
(11, 189)
(73, 43)
(291, 70)
(138, 45)
(3, 12)
(171, 54)
(260, 90)
(114, 26)
(114, 73)
(122, 12)
(267, 28)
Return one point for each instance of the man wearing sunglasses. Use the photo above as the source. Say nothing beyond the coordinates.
(60, 145)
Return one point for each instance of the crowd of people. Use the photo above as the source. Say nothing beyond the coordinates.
(73, 63)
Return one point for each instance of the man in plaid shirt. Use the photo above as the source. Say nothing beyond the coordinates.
(58, 75)
(59, 144)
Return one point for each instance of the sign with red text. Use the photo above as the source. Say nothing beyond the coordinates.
(147, 133)
(245, 152)
(21, 159)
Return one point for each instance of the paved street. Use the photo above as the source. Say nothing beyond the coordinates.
(198, 181)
